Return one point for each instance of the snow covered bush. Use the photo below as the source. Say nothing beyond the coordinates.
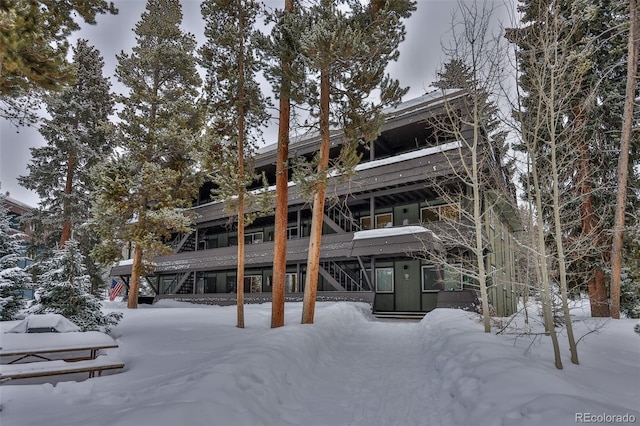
(64, 288)
(13, 280)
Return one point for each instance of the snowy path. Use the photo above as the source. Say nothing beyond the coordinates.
(372, 379)
(190, 366)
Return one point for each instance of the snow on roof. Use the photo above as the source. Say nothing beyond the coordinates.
(392, 231)
(440, 95)
(409, 155)
(368, 165)
(407, 107)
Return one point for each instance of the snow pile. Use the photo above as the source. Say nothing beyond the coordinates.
(55, 322)
(190, 365)
(486, 379)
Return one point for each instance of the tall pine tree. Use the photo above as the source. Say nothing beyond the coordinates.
(77, 136)
(236, 110)
(33, 48)
(285, 71)
(346, 47)
(143, 188)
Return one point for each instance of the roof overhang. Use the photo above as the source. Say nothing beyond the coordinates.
(397, 240)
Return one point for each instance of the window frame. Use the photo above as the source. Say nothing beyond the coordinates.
(438, 211)
(385, 268)
(376, 221)
(251, 236)
(422, 280)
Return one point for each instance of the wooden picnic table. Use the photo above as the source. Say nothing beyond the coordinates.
(25, 345)
(24, 355)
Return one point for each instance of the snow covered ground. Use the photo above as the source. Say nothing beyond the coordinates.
(189, 365)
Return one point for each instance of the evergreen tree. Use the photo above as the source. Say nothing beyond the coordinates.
(285, 71)
(142, 190)
(591, 126)
(236, 110)
(33, 48)
(13, 279)
(64, 288)
(346, 47)
(623, 160)
(77, 139)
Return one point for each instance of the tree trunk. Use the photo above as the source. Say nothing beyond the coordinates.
(241, 187)
(597, 285)
(282, 195)
(477, 217)
(560, 247)
(315, 240)
(623, 160)
(68, 188)
(547, 310)
(136, 273)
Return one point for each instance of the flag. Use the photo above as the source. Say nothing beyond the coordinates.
(115, 289)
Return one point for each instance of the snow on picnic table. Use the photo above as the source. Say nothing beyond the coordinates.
(190, 365)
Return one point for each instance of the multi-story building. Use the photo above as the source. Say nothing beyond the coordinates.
(405, 197)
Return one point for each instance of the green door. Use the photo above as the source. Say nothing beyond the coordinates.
(407, 288)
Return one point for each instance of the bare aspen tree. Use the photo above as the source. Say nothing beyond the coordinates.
(470, 119)
(552, 132)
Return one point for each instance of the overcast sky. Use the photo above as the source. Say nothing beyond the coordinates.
(420, 57)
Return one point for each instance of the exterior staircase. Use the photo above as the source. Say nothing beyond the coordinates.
(184, 242)
(182, 284)
(341, 277)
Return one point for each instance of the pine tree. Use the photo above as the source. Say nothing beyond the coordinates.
(142, 190)
(64, 288)
(594, 115)
(236, 110)
(77, 139)
(623, 160)
(13, 279)
(285, 71)
(347, 47)
(33, 48)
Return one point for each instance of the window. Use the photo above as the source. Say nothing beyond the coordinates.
(453, 278)
(291, 283)
(382, 220)
(292, 233)
(429, 280)
(440, 213)
(210, 284)
(491, 218)
(365, 223)
(253, 283)
(253, 237)
(384, 280)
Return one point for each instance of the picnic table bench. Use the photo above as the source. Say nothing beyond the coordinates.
(25, 355)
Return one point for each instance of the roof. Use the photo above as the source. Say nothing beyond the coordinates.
(428, 100)
(15, 206)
